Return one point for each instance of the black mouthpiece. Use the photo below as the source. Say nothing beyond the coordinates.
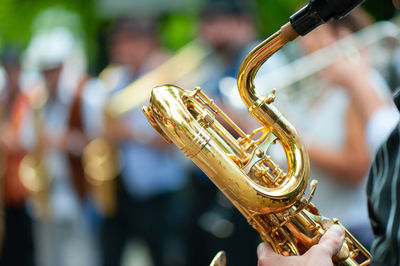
(318, 12)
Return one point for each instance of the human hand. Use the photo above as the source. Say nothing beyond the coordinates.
(320, 254)
(349, 71)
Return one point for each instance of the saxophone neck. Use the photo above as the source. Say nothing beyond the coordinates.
(256, 58)
(266, 113)
(315, 13)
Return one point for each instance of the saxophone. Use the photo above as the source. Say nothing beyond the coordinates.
(271, 198)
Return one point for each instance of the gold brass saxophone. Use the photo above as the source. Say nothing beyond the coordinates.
(32, 168)
(270, 197)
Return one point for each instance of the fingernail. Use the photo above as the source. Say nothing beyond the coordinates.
(261, 250)
(337, 230)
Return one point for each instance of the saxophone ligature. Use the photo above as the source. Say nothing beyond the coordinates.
(270, 197)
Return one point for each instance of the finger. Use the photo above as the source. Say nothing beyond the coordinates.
(264, 250)
(267, 256)
(332, 240)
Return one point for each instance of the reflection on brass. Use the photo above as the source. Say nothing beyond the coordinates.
(219, 259)
(270, 197)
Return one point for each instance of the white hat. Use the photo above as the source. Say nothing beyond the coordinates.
(51, 48)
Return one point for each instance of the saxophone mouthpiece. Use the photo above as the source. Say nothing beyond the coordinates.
(318, 12)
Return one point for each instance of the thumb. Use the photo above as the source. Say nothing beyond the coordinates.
(266, 255)
(264, 250)
(332, 240)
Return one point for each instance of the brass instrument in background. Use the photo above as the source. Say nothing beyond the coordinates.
(182, 66)
(100, 165)
(271, 198)
(348, 47)
(100, 161)
(32, 168)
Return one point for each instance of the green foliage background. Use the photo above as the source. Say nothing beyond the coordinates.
(177, 28)
(16, 16)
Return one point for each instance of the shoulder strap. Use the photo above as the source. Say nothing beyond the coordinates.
(75, 120)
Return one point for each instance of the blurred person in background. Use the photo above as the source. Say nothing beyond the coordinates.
(379, 117)
(152, 171)
(334, 131)
(63, 236)
(227, 26)
(18, 245)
